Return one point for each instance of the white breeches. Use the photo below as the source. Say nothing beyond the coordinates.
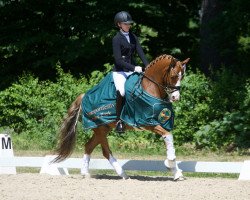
(119, 80)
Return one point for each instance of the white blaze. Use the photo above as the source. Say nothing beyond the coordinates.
(175, 96)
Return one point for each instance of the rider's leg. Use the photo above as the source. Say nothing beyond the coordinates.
(120, 100)
(119, 81)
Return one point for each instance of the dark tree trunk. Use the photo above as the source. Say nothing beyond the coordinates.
(210, 58)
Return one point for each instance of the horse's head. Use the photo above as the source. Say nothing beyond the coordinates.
(176, 73)
(166, 73)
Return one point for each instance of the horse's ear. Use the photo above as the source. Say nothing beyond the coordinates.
(185, 61)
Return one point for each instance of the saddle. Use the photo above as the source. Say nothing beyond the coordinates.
(140, 109)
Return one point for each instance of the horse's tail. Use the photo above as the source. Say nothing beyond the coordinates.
(67, 134)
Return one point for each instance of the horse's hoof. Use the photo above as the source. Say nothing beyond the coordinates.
(86, 175)
(124, 176)
(178, 176)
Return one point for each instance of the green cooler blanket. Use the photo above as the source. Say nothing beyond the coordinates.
(140, 109)
(99, 104)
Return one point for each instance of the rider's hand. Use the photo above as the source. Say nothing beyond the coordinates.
(138, 69)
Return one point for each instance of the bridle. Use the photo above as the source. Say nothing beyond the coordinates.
(168, 89)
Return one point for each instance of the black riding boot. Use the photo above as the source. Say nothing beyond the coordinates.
(120, 100)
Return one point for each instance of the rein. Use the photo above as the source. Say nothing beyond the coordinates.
(168, 88)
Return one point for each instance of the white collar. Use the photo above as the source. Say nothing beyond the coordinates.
(124, 33)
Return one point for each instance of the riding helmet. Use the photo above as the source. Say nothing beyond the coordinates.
(124, 17)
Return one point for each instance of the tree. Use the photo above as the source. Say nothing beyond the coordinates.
(210, 10)
(225, 39)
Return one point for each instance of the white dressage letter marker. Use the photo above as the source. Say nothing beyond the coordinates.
(245, 171)
(6, 151)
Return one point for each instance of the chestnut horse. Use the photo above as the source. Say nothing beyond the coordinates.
(161, 80)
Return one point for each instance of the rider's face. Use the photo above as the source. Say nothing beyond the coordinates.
(124, 27)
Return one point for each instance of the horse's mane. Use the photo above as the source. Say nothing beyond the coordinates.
(159, 58)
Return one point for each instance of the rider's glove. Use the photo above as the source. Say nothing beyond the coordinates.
(138, 69)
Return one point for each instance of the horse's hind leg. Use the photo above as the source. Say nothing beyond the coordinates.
(108, 154)
(89, 147)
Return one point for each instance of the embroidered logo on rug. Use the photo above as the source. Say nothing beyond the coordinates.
(164, 115)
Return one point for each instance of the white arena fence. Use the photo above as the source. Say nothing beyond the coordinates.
(243, 168)
(9, 162)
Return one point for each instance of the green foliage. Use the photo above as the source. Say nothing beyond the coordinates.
(193, 110)
(244, 43)
(212, 114)
(97, 76)
(227, 92)
(136, 141)
(233, 129)
(35, 108)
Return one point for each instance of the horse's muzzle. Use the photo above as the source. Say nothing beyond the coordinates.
(175, 96)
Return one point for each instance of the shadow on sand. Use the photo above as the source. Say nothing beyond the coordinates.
(139, 178)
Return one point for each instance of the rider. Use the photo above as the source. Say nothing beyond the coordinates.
(125, 45)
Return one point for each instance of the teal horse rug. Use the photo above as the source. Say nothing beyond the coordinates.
(140, 109)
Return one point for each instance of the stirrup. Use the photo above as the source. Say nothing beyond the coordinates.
(120, 126)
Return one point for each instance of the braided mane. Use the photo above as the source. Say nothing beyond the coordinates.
(159, 58)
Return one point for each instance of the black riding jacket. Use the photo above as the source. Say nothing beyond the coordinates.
(124, 52)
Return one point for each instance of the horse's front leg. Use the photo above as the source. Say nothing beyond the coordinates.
(171, 157)
(108, 154)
